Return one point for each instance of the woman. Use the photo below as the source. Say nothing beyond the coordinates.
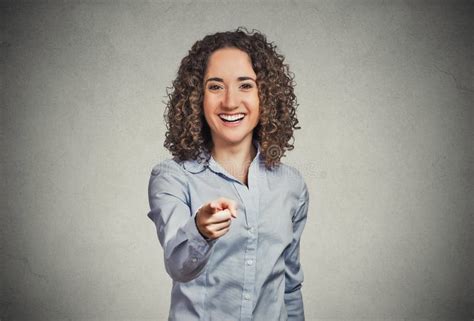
(229, 215)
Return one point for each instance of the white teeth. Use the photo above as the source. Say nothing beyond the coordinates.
(232, 117)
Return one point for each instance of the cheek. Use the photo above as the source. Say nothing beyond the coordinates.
(255, 104)
(210, 102)
(207, 108)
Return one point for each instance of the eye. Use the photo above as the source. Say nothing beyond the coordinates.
(246, 86)
(214, 87)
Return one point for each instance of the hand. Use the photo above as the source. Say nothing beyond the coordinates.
(213, 219)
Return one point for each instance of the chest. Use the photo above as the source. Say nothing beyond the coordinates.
(264, 210)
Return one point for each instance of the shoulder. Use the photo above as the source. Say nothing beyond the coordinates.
(167, 166)
(168, 178)
(168, 174)
(287, 174)
(178, 167)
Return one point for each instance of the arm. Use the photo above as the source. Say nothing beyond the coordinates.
(293, 271)
(186, 252)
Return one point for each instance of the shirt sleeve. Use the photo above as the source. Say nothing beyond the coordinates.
(293, 270)
(186, 252)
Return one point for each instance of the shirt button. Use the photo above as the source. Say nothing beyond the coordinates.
(194, 260)
(247, 297)
(250, 230)
(249, 262)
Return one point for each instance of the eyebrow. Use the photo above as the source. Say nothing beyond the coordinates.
(222, 80)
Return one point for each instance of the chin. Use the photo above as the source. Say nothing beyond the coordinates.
(233, 140)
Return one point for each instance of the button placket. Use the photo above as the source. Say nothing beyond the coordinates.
(251, 197)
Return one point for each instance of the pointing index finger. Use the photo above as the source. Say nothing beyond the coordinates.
(215, 205)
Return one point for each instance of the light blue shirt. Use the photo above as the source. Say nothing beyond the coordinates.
(253, 272)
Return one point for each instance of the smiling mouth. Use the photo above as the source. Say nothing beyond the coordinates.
(231, 118)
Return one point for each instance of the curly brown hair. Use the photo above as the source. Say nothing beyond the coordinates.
(188, 135)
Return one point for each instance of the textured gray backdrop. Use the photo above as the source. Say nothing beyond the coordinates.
(386, 107)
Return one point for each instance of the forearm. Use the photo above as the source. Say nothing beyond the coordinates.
(293, 272)
(294, 305)
(186, 253)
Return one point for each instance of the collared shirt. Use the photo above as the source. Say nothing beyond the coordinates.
(253, 271)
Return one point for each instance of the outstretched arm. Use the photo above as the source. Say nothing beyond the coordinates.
(186, 252)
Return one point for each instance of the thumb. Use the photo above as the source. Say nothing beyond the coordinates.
(231, 206)
(233, 209)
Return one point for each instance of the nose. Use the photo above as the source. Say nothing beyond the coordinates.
(231, 99)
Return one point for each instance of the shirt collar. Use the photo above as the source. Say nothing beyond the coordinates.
(195, 166)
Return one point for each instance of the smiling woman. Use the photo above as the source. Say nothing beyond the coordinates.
(231, 102)
(228, 213)
(189, 135)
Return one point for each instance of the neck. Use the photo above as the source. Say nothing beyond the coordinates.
(235, 159)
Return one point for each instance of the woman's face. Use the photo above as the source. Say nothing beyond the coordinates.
(231, 102)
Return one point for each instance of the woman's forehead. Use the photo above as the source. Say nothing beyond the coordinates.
(229, 63)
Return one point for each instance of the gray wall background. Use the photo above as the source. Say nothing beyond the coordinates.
(386, 108)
